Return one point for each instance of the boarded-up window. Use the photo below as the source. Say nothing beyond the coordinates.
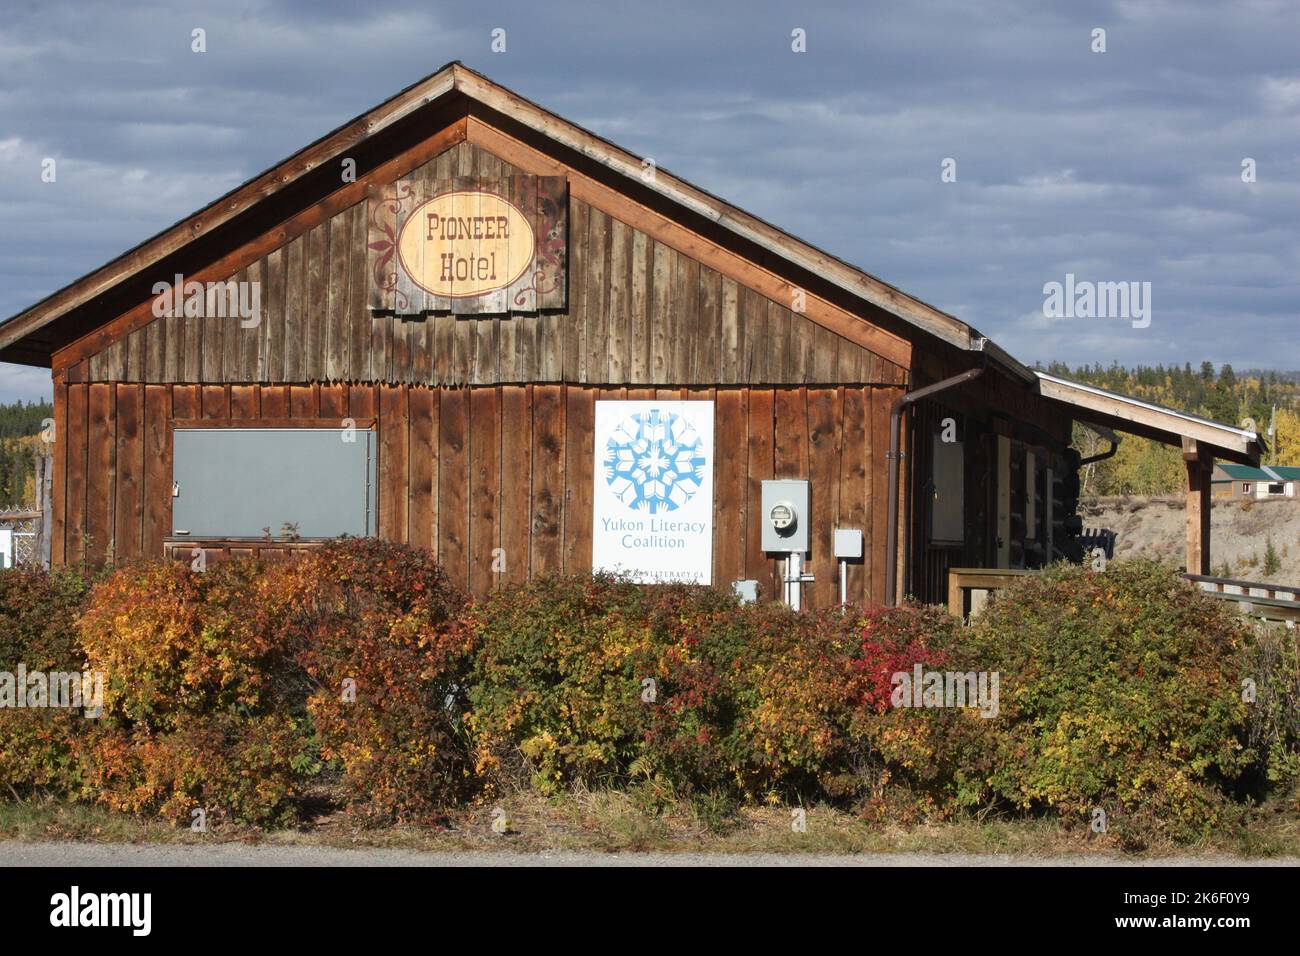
(238, 482)
(948, 505)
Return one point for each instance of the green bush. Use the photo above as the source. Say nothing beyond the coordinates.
(38, 612)
(1273, 666)
(575, 676)
(1272, 563)
(1120, 690)
(597, 680)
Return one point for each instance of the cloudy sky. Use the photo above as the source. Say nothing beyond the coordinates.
(1123, 165)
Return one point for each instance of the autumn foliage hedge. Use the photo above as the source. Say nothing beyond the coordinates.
(377, 632)
(197, 710)
(599, 681)
(359, 672)
(231, 690)
(37, 630)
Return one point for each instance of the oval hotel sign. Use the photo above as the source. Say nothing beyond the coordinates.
(465, 243)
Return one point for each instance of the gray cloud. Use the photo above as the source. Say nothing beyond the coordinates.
(1116, 166)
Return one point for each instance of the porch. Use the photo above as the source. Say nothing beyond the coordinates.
(1004, 496)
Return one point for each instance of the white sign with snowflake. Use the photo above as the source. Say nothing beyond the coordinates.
(653, 491)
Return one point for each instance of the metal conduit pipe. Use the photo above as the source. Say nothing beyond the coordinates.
(895, 434)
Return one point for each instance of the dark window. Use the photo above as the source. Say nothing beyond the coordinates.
(948, 490)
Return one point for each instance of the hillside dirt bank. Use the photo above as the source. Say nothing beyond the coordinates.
(1154, 527)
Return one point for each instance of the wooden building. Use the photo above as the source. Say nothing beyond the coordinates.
(475, 382)
(1242, 482)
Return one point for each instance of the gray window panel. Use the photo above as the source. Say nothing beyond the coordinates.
(233, 482)
(948, 508)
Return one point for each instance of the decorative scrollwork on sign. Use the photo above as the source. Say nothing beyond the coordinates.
(384, 215)
(552, 246)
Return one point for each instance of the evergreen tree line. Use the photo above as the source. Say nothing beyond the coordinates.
(21, 424)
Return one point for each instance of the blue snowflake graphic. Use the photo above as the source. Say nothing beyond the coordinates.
(654, 461)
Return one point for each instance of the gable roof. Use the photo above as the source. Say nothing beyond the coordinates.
(76, 311)
(33, 335)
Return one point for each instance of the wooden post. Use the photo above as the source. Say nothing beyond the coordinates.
(1199, 465)
(956, 597)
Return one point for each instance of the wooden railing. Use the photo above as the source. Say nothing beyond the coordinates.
(1274, 602)
(1271, 602)
(961, 580)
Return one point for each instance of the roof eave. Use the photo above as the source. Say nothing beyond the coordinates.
(233, 203)
(1235, 444)
(457, 77)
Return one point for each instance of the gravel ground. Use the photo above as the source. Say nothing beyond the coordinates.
(231, 854)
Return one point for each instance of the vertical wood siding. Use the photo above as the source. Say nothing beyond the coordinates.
(639, 313)
(496, 480)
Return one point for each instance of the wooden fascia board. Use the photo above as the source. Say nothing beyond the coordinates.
(850, 326)
(765, 235)
(227, 208)
(343, 198)
(1173, 427)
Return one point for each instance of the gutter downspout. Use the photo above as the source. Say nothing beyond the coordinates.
(1093, 459)
(895, 433)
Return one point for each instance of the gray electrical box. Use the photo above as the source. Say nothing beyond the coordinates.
(786, 515)
(848, 544)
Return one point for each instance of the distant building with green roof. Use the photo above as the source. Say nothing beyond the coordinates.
(1266, 481)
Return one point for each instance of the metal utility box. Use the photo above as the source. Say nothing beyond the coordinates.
(848, 544)
(787, 516)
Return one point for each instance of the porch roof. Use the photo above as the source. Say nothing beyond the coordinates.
(1093, 405)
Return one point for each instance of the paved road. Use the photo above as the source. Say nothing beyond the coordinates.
(235, 854)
